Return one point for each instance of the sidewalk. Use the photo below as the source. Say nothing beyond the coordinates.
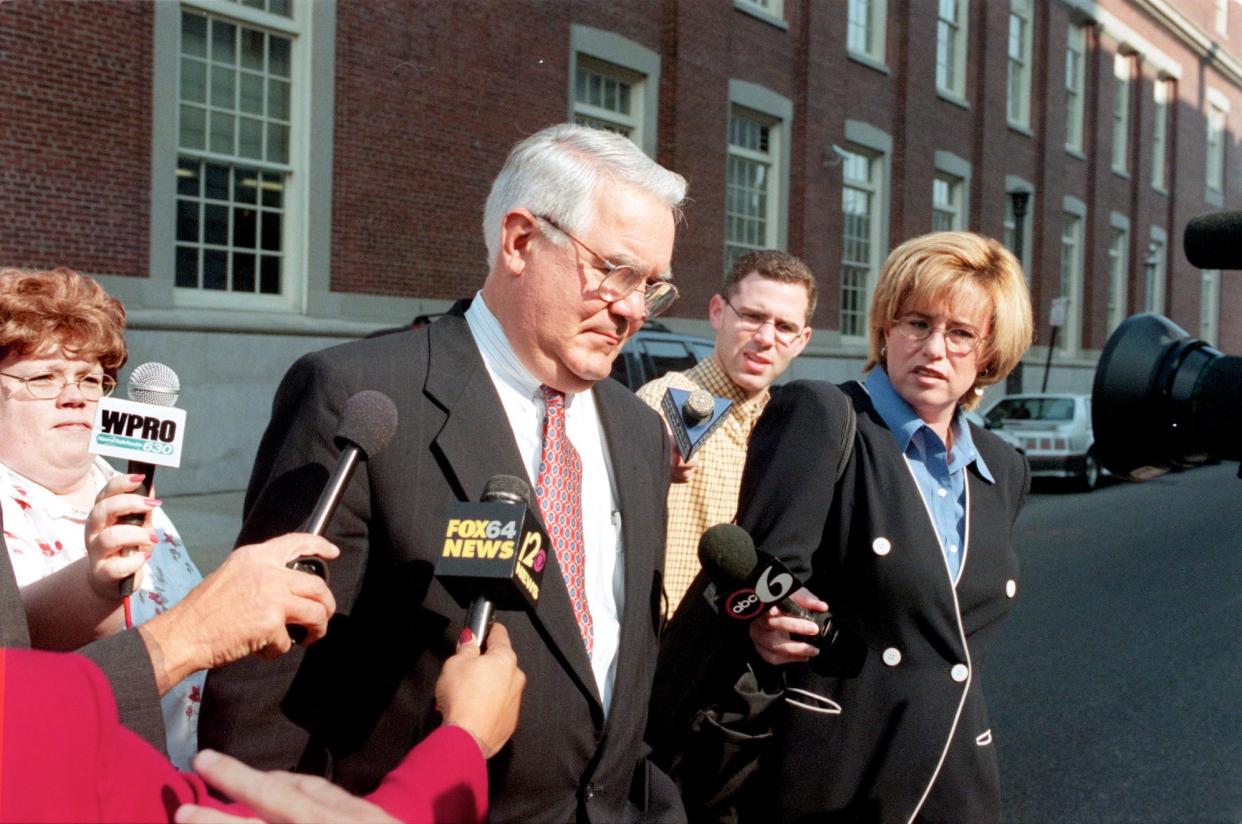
(208, 524)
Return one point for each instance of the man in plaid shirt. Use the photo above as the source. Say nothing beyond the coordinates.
(762, 322)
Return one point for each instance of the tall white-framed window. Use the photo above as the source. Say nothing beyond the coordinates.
(1154, 265)
(1118, 266)
(1072, 222)
(1019, 64)
(860, 256)
(1123, 67)
(946, 203)
(865, 29)
(1159, 133)
(1220, 16)
(1075, 65)
(951, 21)
(1217, 119)
(239, 214)
(1209, 306)
(614, 84)
(756, 170)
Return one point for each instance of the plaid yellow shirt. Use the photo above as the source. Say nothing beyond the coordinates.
(710, 496)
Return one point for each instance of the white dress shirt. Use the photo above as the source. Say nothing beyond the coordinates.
(522, 399)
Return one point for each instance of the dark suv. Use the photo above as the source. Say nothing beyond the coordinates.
(655, 350)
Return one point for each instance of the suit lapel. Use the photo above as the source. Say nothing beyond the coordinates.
(475, 443)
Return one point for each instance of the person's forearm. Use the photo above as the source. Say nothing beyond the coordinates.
(64, 611)
(171, 649)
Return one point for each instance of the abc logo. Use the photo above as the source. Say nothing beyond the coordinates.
(743, 604)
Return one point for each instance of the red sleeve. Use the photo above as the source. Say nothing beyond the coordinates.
(444, 778)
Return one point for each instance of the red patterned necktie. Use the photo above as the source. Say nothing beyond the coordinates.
(559, 492)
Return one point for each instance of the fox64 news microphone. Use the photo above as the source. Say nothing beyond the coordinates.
(748, 582)
(494, 553)
(146, 430)
(367, 423)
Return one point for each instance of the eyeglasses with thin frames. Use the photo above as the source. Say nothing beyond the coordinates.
(49, 385)
(784, 331)
(958, 340)
(620, 281)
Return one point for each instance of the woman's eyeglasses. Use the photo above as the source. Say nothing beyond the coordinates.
(959, 340)
(49, 385)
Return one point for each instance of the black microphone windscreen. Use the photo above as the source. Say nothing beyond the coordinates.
(1214, 241)
(727, 553)
(508, 488)
(368, 421)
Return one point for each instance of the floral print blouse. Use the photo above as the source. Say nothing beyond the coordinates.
(44, 533)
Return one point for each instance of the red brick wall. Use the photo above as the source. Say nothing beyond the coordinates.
(75, 135)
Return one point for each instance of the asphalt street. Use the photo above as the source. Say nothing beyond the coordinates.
(1116, 690)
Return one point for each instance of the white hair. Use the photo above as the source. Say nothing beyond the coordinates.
(557, 171)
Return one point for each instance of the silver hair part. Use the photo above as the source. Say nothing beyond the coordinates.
(556, 172)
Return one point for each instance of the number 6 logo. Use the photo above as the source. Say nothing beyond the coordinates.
(777, 587)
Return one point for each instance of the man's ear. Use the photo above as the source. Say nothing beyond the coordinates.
(799, 343)
(715, 311)
(517, 231)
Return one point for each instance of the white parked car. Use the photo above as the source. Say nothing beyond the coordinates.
(1053, 431)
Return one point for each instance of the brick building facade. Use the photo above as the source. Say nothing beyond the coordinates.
(257, 179)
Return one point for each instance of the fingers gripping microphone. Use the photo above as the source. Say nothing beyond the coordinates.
(154, 384)
(494, 553)
(367, 423)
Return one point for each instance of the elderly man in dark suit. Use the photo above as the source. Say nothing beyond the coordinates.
(579, 229)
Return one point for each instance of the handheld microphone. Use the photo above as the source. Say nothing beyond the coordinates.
(147, 428)
(494, 553)
(1213, 241)
(693, 415)
(367, 423)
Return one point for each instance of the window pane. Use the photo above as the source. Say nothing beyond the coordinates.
(222, 132)
(193, 80)
(223, 49)
(217, 181)
(245, 226)
(273, 190)
(278, 56)
(278, 99)
(187, 220)
(269, 275)
(187, 267)
(187, 176)
(223, 91)
(250, 138)
(270, 240)
(193, 34)
(245, 185)
(252, 49)
(277, 143)
(251, 100)
(280, 7)
(243, 273)
(193, 128)
(215, 269)
(215, 224)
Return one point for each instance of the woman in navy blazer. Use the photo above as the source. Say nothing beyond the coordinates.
(911, 548)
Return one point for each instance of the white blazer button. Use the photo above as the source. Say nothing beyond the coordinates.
(881, 546)
(959, 672)
(1011, 587)
(892, 656)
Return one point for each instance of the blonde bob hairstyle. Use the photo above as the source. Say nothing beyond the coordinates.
(952, 269)
(40, 311)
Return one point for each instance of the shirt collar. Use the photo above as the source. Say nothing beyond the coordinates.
(904, 423)
(711, 376)
(497, 352)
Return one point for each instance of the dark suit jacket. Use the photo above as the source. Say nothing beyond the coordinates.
(352, 705)
(908, 735)
(122, 657)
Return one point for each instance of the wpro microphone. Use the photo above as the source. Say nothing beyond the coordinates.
(146, 430)
(494, 553)
(1214, 241)
(693, 415)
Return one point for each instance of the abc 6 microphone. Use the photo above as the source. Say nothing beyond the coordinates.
(494, 553)
(748, 582)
